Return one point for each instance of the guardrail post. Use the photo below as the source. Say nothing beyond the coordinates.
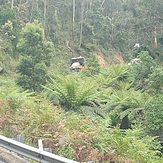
(20, 138)
(47, 150)
(40, 146)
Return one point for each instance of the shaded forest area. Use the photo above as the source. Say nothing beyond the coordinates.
(111, 110)
(105, 26)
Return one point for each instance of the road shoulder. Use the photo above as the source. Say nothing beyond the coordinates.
(10, 157)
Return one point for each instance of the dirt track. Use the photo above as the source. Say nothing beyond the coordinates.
(10, 157)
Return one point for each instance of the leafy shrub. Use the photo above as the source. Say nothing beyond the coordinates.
(137, 50)
(139, 72)
(154, 116)
(129, 143)
(36, 55)
(6, 14)
(138, 148)
(155, 82)
(92, 65)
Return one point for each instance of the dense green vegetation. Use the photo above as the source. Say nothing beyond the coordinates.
(111, 111)
(36, 57)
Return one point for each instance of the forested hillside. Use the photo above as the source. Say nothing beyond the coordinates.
(111, 109)
(90, 25)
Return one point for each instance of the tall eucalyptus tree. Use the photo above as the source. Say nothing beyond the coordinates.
(12, 4)
(82, 3)
(45, 8)
(73, 19)
(109, 23)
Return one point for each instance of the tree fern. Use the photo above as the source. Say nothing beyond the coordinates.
(15, 97)
(119, 72)
(127, 102)
(71, 90)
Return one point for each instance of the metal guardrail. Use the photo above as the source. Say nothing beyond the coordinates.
(36, 154)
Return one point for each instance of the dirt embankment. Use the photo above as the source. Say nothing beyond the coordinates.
(117, 58)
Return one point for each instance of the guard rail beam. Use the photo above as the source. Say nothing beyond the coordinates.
(32, 152)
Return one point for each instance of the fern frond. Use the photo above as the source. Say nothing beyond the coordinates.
(125, 113)
(92, 111)
(119, 71)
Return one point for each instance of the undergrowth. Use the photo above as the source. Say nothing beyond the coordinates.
(71, 134)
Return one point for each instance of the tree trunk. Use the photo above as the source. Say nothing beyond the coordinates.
(45, 5)
(73, 19)
(31, 14)
(12, 4)
(90, 5)
(125, 123)
(102, 3)
(81, 20)
(19, 7)
(155, 37)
